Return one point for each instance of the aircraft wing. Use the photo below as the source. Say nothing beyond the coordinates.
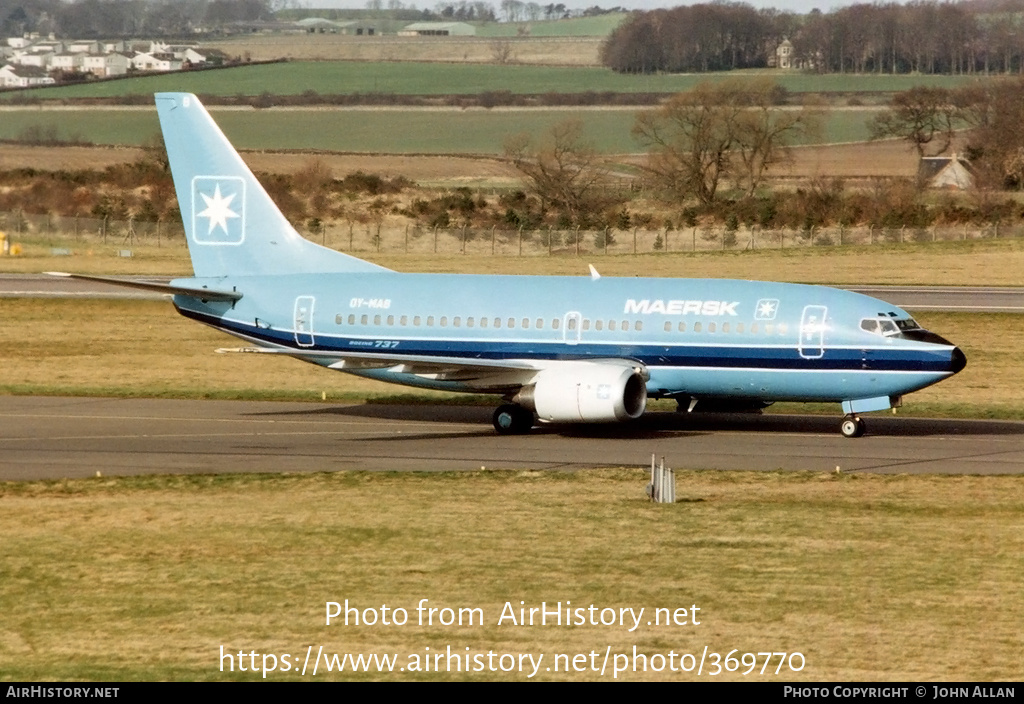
(478, 373)
(206, 294)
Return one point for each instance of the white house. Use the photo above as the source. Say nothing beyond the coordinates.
(103, 65)
(38, 59)
(66, 61)
(12, 76)
(155, 62)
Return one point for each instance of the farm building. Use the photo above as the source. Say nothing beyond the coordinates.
(438, 29)
(945, 172)
(356, 28)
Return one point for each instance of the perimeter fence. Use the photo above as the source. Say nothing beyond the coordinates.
(355, 237)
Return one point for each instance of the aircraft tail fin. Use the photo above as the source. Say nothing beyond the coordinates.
(231, 224)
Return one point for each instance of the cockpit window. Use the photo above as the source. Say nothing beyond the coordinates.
(908, 324)
(881, 326)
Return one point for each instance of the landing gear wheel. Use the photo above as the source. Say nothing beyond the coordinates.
(511, 419)
(852, 427)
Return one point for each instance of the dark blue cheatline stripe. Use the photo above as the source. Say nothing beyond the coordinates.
(650, 354)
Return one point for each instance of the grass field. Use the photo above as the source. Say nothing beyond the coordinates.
(375, 130)
(451, 78)
(915, 578)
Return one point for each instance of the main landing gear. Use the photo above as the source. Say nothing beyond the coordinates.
(852, 427)
(511, 419)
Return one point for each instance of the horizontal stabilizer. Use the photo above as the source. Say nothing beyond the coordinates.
(205, 294)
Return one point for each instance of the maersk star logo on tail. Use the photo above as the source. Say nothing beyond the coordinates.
(218, 210)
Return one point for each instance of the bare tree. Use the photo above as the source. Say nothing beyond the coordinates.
(717, 131)
(921, 116)
(563, 170)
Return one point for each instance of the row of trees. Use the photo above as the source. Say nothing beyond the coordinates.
(718, 133)
(730, 134)
(923, 36)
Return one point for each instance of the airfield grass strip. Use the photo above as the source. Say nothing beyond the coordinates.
(870, 577)
(982, 262)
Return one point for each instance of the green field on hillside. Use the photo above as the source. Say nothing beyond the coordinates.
(599, 26)
(407, 78)
(385, 130)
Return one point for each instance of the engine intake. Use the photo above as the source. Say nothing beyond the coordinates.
(586, 392)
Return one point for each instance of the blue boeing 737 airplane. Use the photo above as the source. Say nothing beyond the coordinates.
(558, 349)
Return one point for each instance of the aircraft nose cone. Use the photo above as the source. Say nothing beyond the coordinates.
(957, 360)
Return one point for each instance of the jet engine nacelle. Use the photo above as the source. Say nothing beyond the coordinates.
(587, 392)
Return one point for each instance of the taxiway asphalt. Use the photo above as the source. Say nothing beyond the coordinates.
(57, 437)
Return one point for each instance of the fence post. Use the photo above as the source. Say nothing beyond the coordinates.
(520, 240)
(577, 235)
(492, 239)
